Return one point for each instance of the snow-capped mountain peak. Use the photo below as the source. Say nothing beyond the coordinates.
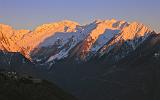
(101, 34)
(68, 39)
(9, 38)
(135, 30)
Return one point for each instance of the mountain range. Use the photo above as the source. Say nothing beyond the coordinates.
(118, 59)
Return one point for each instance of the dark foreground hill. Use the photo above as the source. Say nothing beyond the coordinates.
(15, 87)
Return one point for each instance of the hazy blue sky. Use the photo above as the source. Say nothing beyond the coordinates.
(30, 13)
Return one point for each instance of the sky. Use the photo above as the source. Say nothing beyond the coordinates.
(28, 14)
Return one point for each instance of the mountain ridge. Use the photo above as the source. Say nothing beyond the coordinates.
(65, 36)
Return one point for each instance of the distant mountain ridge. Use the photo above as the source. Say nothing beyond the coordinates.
(67, 39)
